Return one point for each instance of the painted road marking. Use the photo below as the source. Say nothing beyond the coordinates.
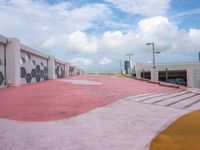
(162, 98)
(138, 95)
(175, 99)
(187, 102)
(148, 97)
(180, 100)
(195, 106)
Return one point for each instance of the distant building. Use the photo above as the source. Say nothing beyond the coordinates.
(128, 67)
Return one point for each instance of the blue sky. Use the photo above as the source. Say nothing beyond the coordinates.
(96, 34)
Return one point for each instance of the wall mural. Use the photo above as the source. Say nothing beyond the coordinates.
(33, 68)
(1, 78)
(59, 70)
(71, 71)
(2, 65)
(37, 74)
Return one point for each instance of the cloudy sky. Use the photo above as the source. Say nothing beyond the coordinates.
(96, 34)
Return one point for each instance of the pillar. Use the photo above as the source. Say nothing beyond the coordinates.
(138, 74)
(13, 62)
(154, 74)
(74, 71)
(67, 70)
(51, 68)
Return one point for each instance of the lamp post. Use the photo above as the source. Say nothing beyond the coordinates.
(129, 56)
(120, 66)
(157, 52)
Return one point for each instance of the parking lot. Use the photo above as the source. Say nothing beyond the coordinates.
(87, 112)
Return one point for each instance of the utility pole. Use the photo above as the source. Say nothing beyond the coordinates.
(120, 66)
(129, 56)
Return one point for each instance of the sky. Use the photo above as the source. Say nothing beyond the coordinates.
(96, 34)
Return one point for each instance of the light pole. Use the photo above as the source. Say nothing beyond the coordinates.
(120, 66)
(129, 56)
(157, 52)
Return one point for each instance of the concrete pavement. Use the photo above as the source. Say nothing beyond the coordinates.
(65, 98)
(128, 118)
(125, 124)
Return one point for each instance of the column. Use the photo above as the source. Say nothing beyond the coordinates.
(67, 70)
(154, 74)
(74, 71)
(13, 62)
(51, 68)
(138, 74)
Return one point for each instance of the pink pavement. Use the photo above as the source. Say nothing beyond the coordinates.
(54, 100)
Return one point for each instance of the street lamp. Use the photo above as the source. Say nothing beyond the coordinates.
(154, 52)
(120, 66)
(129, 56)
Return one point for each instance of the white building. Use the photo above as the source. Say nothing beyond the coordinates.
(187, 71)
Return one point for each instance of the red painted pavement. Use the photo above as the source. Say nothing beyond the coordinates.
(53, 100)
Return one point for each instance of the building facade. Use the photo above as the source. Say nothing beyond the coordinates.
(184, 73)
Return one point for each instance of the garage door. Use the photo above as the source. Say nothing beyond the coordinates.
(2, 65)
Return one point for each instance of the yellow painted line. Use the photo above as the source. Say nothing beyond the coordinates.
(183, 134)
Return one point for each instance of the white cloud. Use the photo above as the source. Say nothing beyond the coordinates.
(81, 62)
(194, 36)
(165, 34)
(105, 61)
(79, 42)
(112, 41)
(49, 44)
(142, 7)
(48, 21)
(64, 29)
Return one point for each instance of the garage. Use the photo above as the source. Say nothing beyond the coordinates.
(174, 76)
(146, 74)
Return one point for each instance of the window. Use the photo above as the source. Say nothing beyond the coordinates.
(42, 64)
(33, 62)
(29, 57)
(22, 60)
(1, 62)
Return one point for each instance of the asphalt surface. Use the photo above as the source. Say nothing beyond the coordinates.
(65, 98)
